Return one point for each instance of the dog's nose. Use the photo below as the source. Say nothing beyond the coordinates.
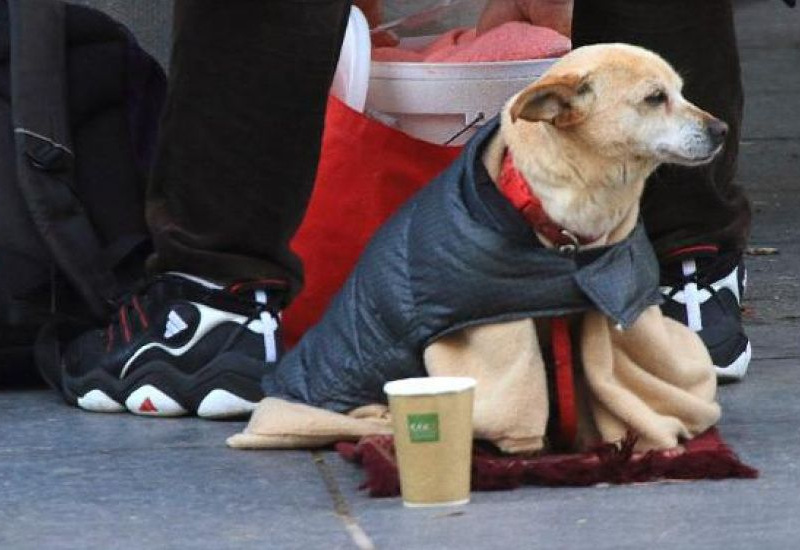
(717, 130)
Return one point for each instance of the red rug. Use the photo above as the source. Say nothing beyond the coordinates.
(705, 457)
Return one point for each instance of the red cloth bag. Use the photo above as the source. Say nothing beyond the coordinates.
(366, 171)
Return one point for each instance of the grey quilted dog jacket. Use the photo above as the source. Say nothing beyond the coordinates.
(457, 254)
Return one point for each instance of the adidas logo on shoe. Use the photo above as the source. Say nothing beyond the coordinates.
(175, 325)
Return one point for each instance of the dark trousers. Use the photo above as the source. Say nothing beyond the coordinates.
(685, 206)
(248, 86)
(241, 134)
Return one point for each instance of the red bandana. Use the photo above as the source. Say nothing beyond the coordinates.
(514, 187)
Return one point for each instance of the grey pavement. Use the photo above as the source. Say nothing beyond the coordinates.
(70, 479)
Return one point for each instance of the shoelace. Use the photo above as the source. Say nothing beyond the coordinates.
(129, 303)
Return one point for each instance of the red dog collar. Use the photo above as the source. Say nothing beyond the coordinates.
(514, 187)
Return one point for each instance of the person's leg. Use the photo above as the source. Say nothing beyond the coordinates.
(241, 134)
(697, 218)
(235, 166)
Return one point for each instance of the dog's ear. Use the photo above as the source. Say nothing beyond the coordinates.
(556, 99)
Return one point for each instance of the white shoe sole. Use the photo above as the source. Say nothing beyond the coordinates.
(220, 404)
(150, 401)
(98, 401)
(736, 370)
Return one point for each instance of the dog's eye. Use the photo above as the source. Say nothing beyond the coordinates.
(657, 98)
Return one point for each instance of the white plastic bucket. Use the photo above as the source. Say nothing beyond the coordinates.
(436, 101)
(351, 79)
(430, 101)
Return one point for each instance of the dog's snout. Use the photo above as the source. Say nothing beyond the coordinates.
(717, 130)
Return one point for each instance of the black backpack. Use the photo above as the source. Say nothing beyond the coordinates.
(80, 102)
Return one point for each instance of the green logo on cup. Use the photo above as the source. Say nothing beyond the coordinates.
(423, 428)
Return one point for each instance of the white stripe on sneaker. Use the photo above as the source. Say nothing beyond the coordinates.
(97, 401)
(270, 326)
(692, 298)
(195, 279)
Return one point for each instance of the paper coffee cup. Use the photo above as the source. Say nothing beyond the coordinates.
(432, 420)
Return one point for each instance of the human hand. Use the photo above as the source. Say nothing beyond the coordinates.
(373, 11)
(555, 14)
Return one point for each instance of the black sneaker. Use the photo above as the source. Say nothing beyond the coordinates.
(710, 304)
(179, 346)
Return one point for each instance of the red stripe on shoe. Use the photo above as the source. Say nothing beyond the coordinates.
(123, 321)
(109, 338)
(268, 284)
(693, 250)
(142, 316)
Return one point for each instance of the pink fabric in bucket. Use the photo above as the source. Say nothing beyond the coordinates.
(514, 41)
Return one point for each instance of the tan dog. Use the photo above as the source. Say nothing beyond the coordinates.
(587, 135)
(584, 137)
